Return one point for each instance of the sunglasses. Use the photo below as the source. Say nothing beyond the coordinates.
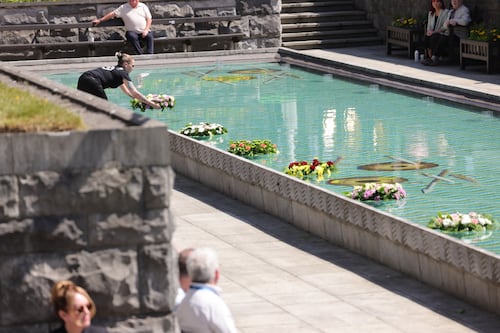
(82, 308)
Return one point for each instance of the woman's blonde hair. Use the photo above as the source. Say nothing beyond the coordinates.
(62, 295)
(123, 57)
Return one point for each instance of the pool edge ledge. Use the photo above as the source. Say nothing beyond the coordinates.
(448, 264)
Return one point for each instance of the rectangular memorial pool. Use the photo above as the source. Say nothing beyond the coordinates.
(313, 115)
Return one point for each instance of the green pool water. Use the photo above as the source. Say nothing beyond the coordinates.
(310, 115)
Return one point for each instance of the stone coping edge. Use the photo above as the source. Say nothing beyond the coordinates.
(415, 86)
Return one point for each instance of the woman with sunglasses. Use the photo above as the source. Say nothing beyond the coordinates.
(96, 80)
(75, 308)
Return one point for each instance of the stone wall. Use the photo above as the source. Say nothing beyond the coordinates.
(383, 11)
(90, 206)
(260, 21)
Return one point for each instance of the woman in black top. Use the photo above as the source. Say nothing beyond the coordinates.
(75, 308)
(95, 81)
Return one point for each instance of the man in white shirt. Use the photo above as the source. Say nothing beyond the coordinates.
(137, 19)
(202, 310)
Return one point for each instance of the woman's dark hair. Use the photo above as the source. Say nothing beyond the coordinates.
(123, 57)
(442, 5)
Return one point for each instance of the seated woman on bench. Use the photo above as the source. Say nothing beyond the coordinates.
(436, 17)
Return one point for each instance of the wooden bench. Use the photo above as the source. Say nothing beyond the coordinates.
(480, 51)
(403, 39)
(84, 43)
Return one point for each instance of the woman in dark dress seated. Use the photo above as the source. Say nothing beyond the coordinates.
(75, 308)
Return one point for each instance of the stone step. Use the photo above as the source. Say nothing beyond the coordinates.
(329, 34)
(316, 6)
(313, 26)
(308, 24)
(331, 2)
(329, 16)
(332, 43)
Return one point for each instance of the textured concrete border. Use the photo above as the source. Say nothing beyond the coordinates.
(444, 262)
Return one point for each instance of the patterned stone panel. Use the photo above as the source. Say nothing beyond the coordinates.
(184, 145)
(481, 264)
(384, 226)
(302, 193)
(270, 181)
(412, 237)
(433, 245)
(356, 216)
(496, 271)
(43, 234)
(457, 255)
(210, 157)
(318, 199)
(9, 197)
(239, 168)
(286, 187)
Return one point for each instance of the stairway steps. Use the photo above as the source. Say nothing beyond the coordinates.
(329, 34)
(308, 24)
(316, 6)
(331, 43)
(311, 26)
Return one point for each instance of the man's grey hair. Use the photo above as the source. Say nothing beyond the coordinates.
(202, 264)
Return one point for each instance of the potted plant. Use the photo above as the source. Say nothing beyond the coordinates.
(403, 32)
(483, 44)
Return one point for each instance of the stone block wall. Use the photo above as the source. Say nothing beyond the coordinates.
(260, 21)
(90, 206)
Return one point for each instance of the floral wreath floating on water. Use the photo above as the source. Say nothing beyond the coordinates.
(249, 148)
(203, 129)
(165, 101)
(377, 192)
(315, 168)
(458, 222)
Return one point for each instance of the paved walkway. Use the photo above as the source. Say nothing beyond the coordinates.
(276, 278)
